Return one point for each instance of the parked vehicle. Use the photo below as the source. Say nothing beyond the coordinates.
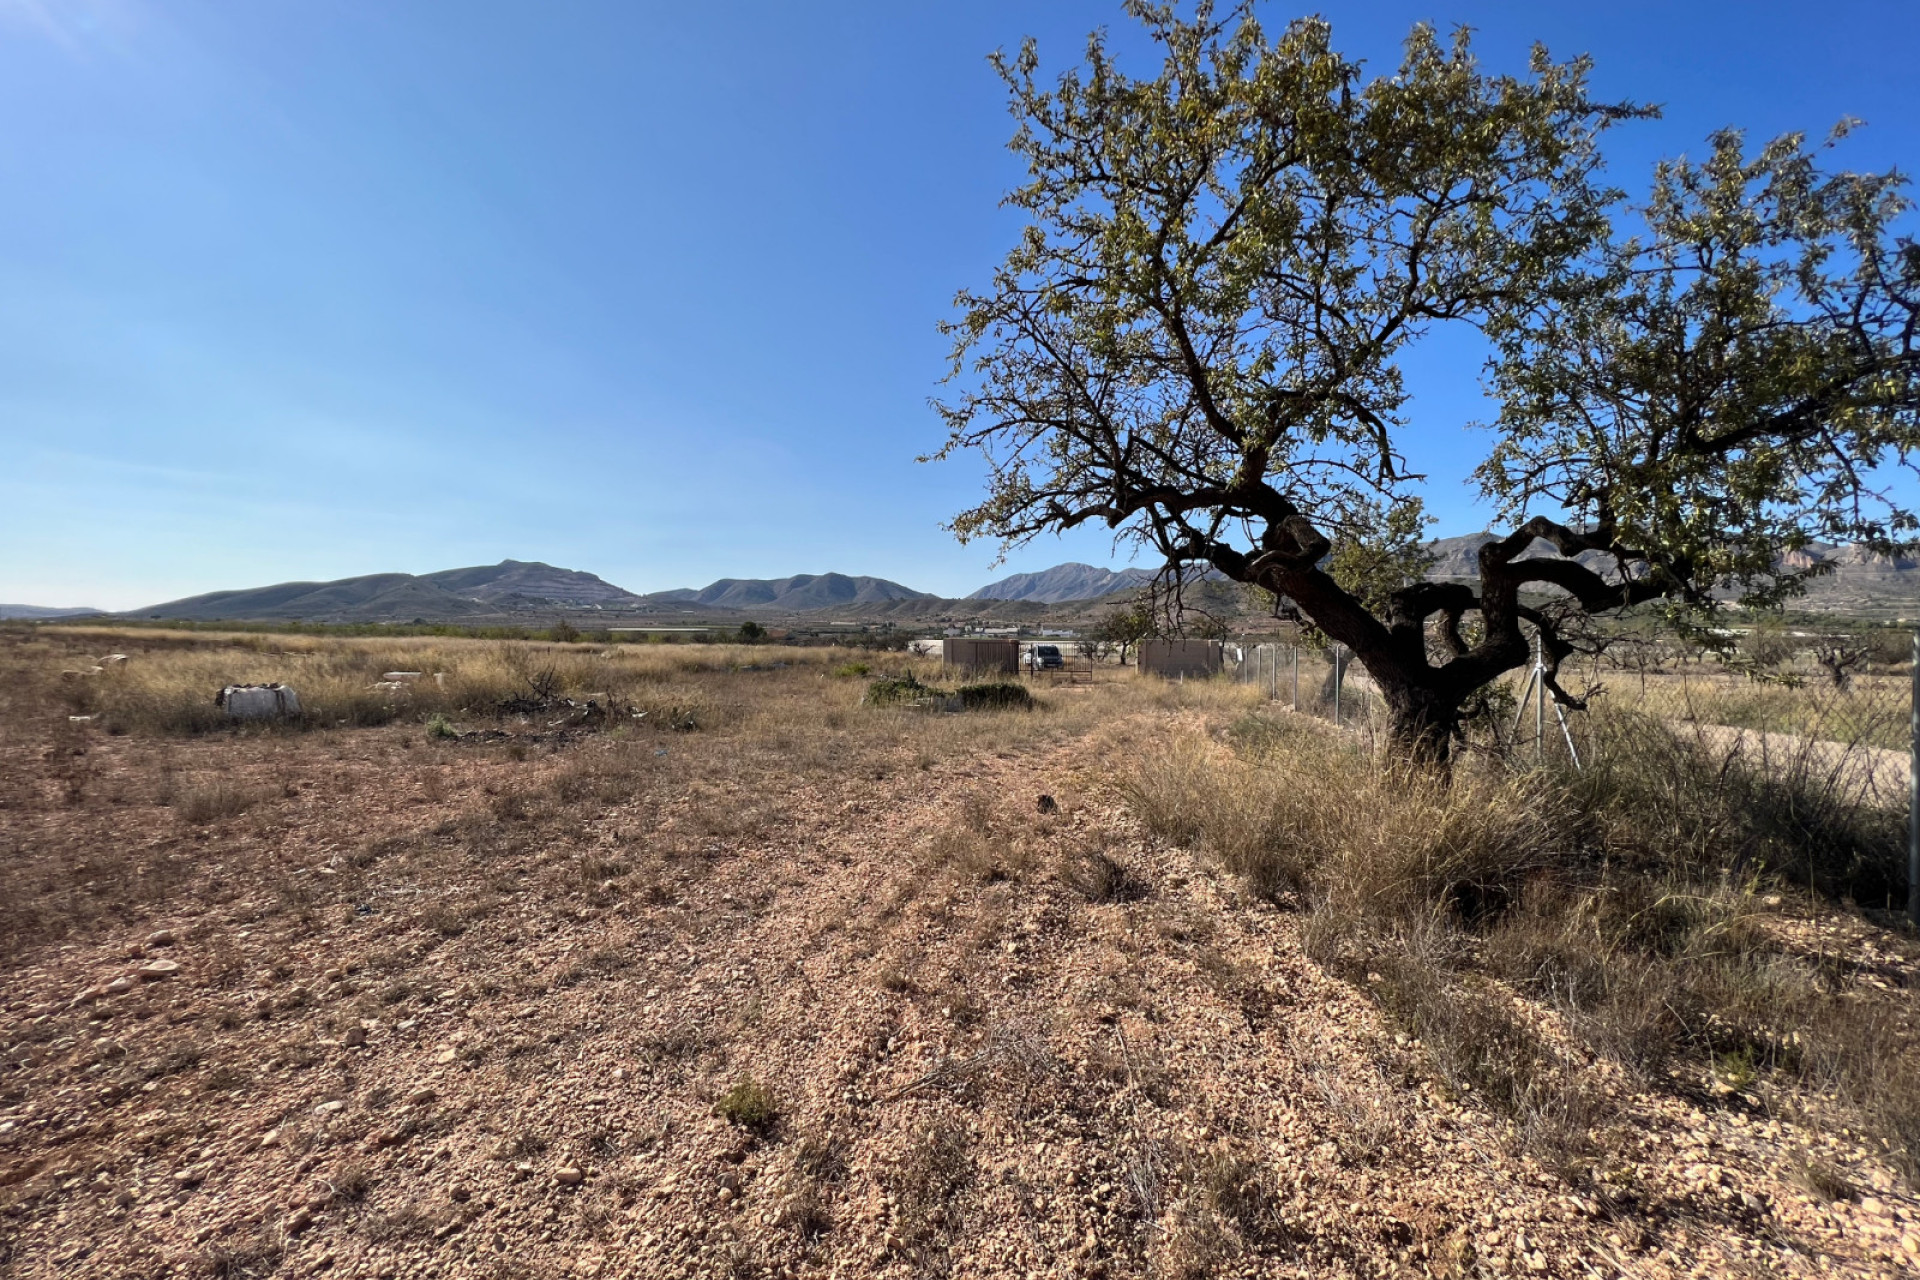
(1047, 657)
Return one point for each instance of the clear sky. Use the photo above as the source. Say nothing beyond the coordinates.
(319, 288)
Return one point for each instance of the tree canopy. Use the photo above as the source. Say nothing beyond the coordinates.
(1195, 341)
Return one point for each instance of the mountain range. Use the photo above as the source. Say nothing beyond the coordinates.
(451, 594)
(1064, 582)
(32, 612)
(799, 593)
(1859, 585)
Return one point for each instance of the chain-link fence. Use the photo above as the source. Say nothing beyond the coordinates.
(1324, 682)
(1819, 722)
(1847, 703)
(1832, 715)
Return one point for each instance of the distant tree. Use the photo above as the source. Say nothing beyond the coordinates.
(1840, 656)
(751, 632)
(1126, 628)
(1195, 342)
(1094, 648)
(1767, 645)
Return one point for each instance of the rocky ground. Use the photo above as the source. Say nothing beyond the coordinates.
(360, 1003)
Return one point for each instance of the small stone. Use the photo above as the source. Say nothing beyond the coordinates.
(445, 1057)
(270, 1138)
(421, 1097)
(334, 1107)
(191, 1176)
(569, 1176)
(160, 938)
(155, 970)
(119, 986)
(298, 1222)
(355, 1037)
(726, 1195)
(460, 1195)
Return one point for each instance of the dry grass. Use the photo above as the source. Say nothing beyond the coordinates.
(1626, 899)
(721, 720)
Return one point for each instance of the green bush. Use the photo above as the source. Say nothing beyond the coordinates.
(852, 670)
(890, 690)
(1000, 695)
(440, 727)
(749, 1104)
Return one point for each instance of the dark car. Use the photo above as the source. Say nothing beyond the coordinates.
(1047, 656)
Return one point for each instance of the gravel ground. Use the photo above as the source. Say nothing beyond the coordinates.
(430, 1009)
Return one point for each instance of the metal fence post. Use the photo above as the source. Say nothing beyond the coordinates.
(1913, 789)
(1295, 651)
(1336, 686)
(1539, 700)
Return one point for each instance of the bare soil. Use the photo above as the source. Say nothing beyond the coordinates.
(813, 1003)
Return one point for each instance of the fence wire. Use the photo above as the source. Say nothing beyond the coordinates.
(1855, 714)
(1829, 716)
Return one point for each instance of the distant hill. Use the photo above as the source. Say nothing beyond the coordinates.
(450, 595)
(1063, 582)
(1859, 585)
(30, 611)
(799, 593)
(1458, 559)
(514, 580)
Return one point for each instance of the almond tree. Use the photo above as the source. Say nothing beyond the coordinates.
(1195, 340)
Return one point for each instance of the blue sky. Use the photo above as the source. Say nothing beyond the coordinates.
(304, 290)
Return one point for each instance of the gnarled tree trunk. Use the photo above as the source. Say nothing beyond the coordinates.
(1421, 724)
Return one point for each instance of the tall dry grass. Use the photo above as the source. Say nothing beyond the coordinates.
(1630, 900)
(171, 689)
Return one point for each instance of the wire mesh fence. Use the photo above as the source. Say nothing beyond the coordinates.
(1835, 720)
(1856, 715)
(1323, 682)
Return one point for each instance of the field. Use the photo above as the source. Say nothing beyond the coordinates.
(732, 974)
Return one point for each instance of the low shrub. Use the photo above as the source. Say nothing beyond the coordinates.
(215, 800)
(997, 696)
(749, 1104)
(893, 690)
